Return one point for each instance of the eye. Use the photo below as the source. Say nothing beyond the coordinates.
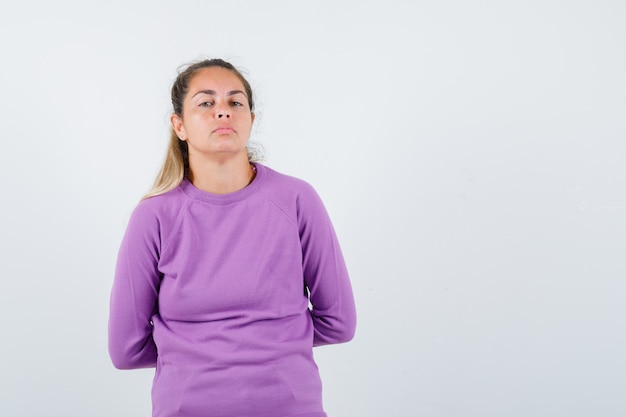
(205, 104)
(237, 103)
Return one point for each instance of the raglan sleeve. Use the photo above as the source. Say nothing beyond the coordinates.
(325, 274)
(134, 294)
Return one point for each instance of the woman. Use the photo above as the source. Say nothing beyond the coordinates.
(229, 272)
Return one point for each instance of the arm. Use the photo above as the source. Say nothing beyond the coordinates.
(134, 294)
(325, 274)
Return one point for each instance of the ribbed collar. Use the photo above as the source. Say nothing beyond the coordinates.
(224, 199)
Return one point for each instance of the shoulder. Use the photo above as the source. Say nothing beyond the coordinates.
(159, 210)
(277, 183)
(286, 189)
(293, 195)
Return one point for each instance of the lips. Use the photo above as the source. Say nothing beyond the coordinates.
(224, 129)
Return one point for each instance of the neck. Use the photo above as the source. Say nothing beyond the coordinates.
(221, 177)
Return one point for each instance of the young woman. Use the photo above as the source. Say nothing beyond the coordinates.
(229, 272)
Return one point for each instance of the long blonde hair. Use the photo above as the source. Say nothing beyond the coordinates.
(176, 164)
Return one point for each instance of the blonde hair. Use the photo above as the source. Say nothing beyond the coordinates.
(173, 170)
(175, 167)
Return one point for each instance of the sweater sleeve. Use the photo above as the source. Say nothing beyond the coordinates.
(134, 294)
(325, 274)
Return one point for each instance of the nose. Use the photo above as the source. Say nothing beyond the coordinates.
(222, 112)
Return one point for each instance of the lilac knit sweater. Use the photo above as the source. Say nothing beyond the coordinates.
(212, 291)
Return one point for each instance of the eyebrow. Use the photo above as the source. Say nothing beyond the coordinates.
(212, 93)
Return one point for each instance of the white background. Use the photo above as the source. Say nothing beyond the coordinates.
(471, 154)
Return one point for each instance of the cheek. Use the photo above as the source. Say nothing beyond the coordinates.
(248, 128)
(195, 121)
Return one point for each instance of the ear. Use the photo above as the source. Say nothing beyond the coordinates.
(252, 114)
(177, 125)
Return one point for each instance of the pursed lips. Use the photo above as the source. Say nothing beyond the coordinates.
(224, 129)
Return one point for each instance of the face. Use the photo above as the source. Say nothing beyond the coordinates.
(216, 119)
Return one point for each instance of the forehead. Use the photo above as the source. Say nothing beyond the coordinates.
(215, 78)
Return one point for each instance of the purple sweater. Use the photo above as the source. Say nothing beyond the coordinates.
(214, 290)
